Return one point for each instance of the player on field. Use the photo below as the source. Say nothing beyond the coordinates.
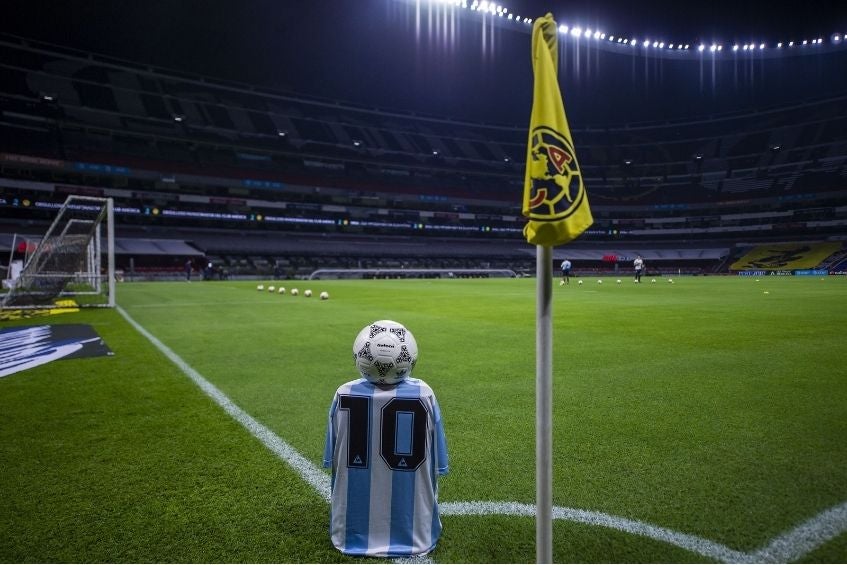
(386, 447)
(638, 264)
(566, 272)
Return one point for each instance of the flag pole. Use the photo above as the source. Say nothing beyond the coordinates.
(544, 405)
(556, 206)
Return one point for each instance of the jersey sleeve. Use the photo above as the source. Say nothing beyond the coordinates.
(329, 446)
(440, 439)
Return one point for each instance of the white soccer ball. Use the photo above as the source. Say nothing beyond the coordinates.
(653, 281)
(324, 295)
(599, 281)
(618, 281)
(294, 292)
(385, 352)
(580, 282)
(271, 288)
(561, 283)
(670, 281)
(307, 293)
(260, 287)
(281, 290)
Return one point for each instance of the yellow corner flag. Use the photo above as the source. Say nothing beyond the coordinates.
(554, 198)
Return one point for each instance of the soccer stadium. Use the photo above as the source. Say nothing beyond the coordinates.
(207, 207)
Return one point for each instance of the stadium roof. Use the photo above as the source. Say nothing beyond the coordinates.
(427, 56)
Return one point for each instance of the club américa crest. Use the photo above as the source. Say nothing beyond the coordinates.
(556, 188)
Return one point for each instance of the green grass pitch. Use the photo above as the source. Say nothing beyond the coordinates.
(713, 407)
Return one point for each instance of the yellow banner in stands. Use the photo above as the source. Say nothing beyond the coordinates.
(786, 256)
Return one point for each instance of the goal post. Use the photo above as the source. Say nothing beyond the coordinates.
(75, 259)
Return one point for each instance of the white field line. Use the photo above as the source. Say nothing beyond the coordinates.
(785, 548)
(312, 474)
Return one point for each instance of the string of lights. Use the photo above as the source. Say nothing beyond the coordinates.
(500, 15)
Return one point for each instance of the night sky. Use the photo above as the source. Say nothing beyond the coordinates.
(388, 54)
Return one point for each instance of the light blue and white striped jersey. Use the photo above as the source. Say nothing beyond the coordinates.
(386, 447)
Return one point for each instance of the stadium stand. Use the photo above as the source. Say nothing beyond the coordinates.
(262, 181)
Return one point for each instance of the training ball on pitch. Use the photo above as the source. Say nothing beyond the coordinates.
(561, 283)
(385, 352)
(580, 282)
(599, 281)
(294, 292)
(757, 280)
(618, 281)
(654, 280)
(324, 295)
(281, 290)
(271, 288)
(307, 293)
(670, 281)
(260, 287)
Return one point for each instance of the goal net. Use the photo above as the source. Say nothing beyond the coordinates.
(75, 260)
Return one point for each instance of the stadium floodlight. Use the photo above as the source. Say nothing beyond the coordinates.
(576, 32)
(686, 46)
(612, 39)
(646, 43)
(632, 42)
(761, 45)
(791, 44)
(701, 47)
(281, 133)
(720, 47)
(587, 32)
(597, 35)
(357, 143)
(836, 38)
(655, 44)
(602, 36)
(670, 46)
(779, 45)
(563, 28)
(661, 45)
(178, 118)
(713, 48)
(510, 16)
(805, 42)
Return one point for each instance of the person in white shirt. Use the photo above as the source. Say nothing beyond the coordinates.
(566, 272)
(639, 267)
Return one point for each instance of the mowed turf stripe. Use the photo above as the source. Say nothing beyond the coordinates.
(789, 546)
